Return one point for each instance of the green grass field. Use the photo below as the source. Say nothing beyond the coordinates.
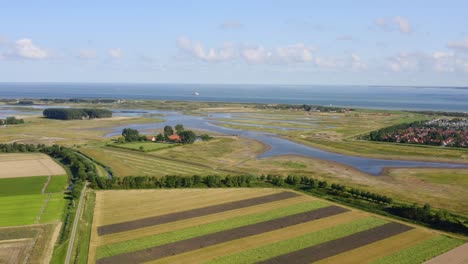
(178, 235)
(147, 146)
(22, 186)
(422, 251)
(126, 162)
(54, 209)
(297, 243)
(57, 184)
(21, 209)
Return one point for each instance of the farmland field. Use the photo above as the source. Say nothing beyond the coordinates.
(22, 186)
(25, 165)
(245, 226)
(129, 162)
(29, 198)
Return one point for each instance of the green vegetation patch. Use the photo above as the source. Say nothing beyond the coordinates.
(22, 186)
(54, 209)
(298, 243)
(147, 146)
(57, 184)
(21, 209)
(191, 232)
(421, 252)
(295, 165)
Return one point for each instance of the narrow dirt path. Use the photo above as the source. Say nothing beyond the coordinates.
(44, 206)
(46, 184)
(48, 179)
(75, 226)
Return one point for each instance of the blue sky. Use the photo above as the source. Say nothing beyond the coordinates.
(276, 42)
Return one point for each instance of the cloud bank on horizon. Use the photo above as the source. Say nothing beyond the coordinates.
(297, 42)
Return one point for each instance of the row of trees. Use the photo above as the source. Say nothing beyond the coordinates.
(375, 202)
(76, 113)
(11, 121)
(83, 169)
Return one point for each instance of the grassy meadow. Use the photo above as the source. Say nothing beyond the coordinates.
(147, 146)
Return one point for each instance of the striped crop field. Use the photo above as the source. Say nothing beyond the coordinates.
(124, 163)
(248, 225)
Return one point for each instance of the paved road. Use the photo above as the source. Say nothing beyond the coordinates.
(75, 227)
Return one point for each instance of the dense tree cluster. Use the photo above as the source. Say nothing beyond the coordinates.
(131, 135)
(76, 113)
(11, 121)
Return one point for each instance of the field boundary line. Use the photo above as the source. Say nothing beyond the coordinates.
(44, 206)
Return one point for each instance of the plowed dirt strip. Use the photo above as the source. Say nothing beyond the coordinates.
(119, 206)
(337, 246)
(220, 237)
(374, 251)
(232, 247)
(155, 230)
(157, 220)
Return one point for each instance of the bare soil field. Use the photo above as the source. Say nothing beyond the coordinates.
(26, 165)
(15, 251)
(27, 244)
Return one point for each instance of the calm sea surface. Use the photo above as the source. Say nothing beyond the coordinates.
(410, 98)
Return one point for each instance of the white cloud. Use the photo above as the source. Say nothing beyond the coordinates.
(396, 23)
(87, 54)
(295, 53)
(404, 62)
(115, 53)
(211, 55)
(439, 61)
(459, 45)
(403, 24)
(328, 63)
(443, 61)
(357, 64)
(256, 54)
(25, 48)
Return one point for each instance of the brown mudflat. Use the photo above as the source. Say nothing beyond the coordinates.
(220, 237)
(340, 245)
(163, 219)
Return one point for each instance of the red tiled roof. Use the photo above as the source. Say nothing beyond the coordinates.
(174, 137)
